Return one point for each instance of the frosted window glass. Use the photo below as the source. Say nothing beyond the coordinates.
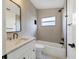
(50, 21)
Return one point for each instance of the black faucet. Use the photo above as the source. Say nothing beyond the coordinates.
(15, 35)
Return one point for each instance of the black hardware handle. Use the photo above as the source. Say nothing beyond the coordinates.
(24, 58)
(33, 50)
(72, 45)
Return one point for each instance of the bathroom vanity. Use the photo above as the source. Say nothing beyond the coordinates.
(18, 47)
(22, 48)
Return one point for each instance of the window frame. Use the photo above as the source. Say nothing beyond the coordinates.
(48, 21)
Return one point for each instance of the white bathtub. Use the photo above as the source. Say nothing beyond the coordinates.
(52, 49)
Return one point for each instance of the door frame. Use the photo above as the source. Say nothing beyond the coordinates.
(66, 27)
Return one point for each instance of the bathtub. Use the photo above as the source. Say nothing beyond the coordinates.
(52, 49)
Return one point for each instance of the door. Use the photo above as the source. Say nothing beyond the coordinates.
(71, 31)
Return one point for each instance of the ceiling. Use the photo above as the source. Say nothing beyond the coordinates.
(46, 4)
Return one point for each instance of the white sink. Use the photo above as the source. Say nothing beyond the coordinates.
(16, 41)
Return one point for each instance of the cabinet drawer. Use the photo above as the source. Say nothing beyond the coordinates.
(20, 51)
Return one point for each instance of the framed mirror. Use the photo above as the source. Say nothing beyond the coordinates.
(13, 16)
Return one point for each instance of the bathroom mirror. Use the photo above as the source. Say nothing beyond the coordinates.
(13, 16)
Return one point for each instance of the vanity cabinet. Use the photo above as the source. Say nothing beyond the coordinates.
(26, 51)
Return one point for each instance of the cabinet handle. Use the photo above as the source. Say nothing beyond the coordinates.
(33, 50)
(24, 58)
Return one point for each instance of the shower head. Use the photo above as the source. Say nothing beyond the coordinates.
(60, 9)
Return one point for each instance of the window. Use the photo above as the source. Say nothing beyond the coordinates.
(49, 21)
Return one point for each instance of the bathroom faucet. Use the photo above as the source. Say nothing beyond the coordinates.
(15, 35)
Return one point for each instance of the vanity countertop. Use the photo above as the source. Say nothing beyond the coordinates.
(12, 45)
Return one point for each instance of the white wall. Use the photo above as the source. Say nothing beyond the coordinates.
(3, 28)
(28, 16)
(51, 34)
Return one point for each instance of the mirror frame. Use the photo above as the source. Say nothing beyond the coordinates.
(20, 14)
